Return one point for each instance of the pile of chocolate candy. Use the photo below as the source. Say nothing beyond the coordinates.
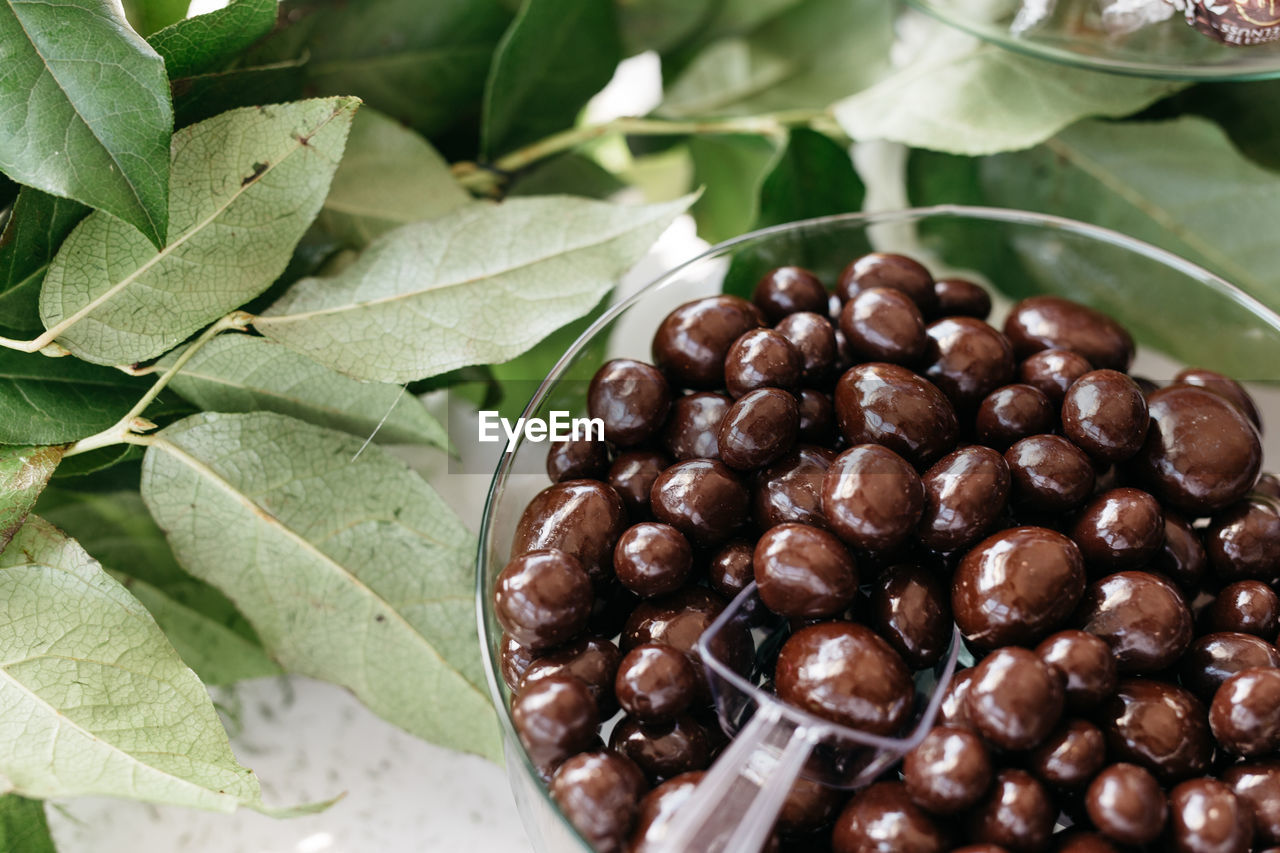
(885, 465)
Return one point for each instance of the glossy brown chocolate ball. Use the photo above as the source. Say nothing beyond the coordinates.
(1053, 371)
(1201, 453)
(758, 429)
(583, 518)
(679, 620)
(1051, 322)
(655, 683)
(652, 559)
(959, 297)
(1078, 841)
(1012, 413)
(872, 497)
(814, 338)
(1016, 586)
(659, 806)
(1244, 541)
(1017, 814)
(542, 599)
(1015, 700)
(1070, 756)
(632, 474)
(555, 718)
(878, 403)
(803, 572)
(1245, 714)
(953, 710)
(1268, 486)
(883, 817)
(762, 358)
(1126, 804)
(702, 498)
(1205, 816)
(1049, 473)
(730, 568)
(809, 807)
(1181, 557)
(1213, 658)
(788, 290)
(631, 398)
(1158, 726)
(599, 792)
(1249, 607)
(1141, 616)
(577, 459)
(948, 771)
(880, 324)
(591, 660)
(1086, 663)
(1119, 529)
(847, 674)
(513, 660)
(694, 424)
(663, 751)
(1105, 414)
(1257, 786)
(967, 360)
(964, 493)
(911, 609)
(817, 417)
(896, 272)
(790, 490)
(1225, 387)
(693, 340)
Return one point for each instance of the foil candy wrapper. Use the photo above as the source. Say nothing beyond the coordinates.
(1239, 23)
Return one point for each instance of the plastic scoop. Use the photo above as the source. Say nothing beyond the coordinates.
(737, 802)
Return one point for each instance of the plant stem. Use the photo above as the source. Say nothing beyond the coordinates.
(485, 178)
(127, 428)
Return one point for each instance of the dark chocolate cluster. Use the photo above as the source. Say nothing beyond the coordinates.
(884, 465)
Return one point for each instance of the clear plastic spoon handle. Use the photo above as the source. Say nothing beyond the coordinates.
(737, 802)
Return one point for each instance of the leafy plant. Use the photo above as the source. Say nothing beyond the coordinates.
(236, 246)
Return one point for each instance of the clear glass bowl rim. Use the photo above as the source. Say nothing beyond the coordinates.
(912, 214)
(1128, 68)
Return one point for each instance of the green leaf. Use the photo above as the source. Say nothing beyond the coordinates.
(246, 184)
(481, 284)
(95, 701)
(24, 472)
(97, 461)
(58, 400)
(966, 97)
(23, 828)
(148, 16)
(1180, 185)
(207, 95)
(206, 629)
(813, 176)
(661, 24)
(388, 176)
(39, 224)
(570, 174)
(208, 42)
(240, 373)
(1246, 111)
(84, 109)
(555, 55)
(350, 566)
(731, 169)
(423, 63)
(807, 56)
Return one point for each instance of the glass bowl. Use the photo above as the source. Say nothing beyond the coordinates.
(1180, 314)
(1074, 35)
